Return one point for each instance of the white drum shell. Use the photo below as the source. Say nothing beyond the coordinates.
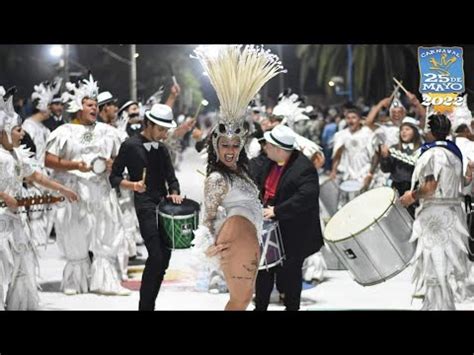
(380, 251)
(271, 239)
(328, 195)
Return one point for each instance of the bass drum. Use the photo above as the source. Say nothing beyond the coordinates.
(370, 236)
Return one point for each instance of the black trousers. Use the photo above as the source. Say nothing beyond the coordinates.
(158, 257)
(289, 280)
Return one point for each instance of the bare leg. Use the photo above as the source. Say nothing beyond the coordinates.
(239, 261)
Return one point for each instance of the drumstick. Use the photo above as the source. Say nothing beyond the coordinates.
(394, 92)
(400, 84)
(144, 175)
(200, 172)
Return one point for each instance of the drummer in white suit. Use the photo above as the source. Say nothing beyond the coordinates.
(351, 157)
(440, 223)
(81, 154)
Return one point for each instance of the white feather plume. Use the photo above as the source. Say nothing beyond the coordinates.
(123, 121)
(86, 89)
(461, 115)
(44, 94)
(237, 74)
(290, 109)
(155, 98)
(8, 117)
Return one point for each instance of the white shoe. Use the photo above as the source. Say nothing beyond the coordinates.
(121, 292)
(217, 285)
(70, 291)
(124, 292)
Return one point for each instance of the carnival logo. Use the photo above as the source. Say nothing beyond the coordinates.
(441, 76)
(441, 69)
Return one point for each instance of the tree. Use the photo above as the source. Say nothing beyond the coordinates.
(373, 67)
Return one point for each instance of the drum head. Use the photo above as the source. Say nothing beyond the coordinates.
(187, 207)
(98, 165)
(351, 186)
(359, 214)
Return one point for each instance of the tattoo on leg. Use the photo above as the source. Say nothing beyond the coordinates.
(242, 277)
(253, 265)
(255, 261)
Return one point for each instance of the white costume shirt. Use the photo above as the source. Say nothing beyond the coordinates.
(440, 227)
(355, 159)
(224, 199)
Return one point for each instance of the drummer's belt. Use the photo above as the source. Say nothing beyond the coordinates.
(443, 200)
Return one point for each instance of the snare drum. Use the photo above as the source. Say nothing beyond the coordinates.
(348, 190)
(177, 222)
(328, 195)
(370, 236)
(351, 186)
(271, 251)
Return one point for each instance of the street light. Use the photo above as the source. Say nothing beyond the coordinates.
(56, 51)
(61, 52)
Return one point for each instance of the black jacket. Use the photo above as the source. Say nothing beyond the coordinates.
(52, 124)
(296, 205)
(399, 170)
(160, 172)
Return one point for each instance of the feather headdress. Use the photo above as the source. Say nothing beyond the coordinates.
(76, 93)
(155, 98)
(237, 74)
(45, 92)
(290, 109)
(8, 117)
(461, 115)
(396, 102)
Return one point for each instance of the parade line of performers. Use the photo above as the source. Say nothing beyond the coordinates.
(102, 175)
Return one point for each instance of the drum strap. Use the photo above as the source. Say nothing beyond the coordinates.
(449, 145)
(443, 201)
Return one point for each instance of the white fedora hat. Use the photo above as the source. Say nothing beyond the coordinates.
(281, 136)
(105, 97)
(127, 105)
(161, 115)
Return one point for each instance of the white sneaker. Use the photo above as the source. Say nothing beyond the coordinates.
(124, 292)
(217, 285)
(70, 291)
(121, 292)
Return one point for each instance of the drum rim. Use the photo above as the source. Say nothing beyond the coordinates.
(176, 216)
(352, 235)
(269, 266)
(329, 180)
(350, 192)
(98, 158)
